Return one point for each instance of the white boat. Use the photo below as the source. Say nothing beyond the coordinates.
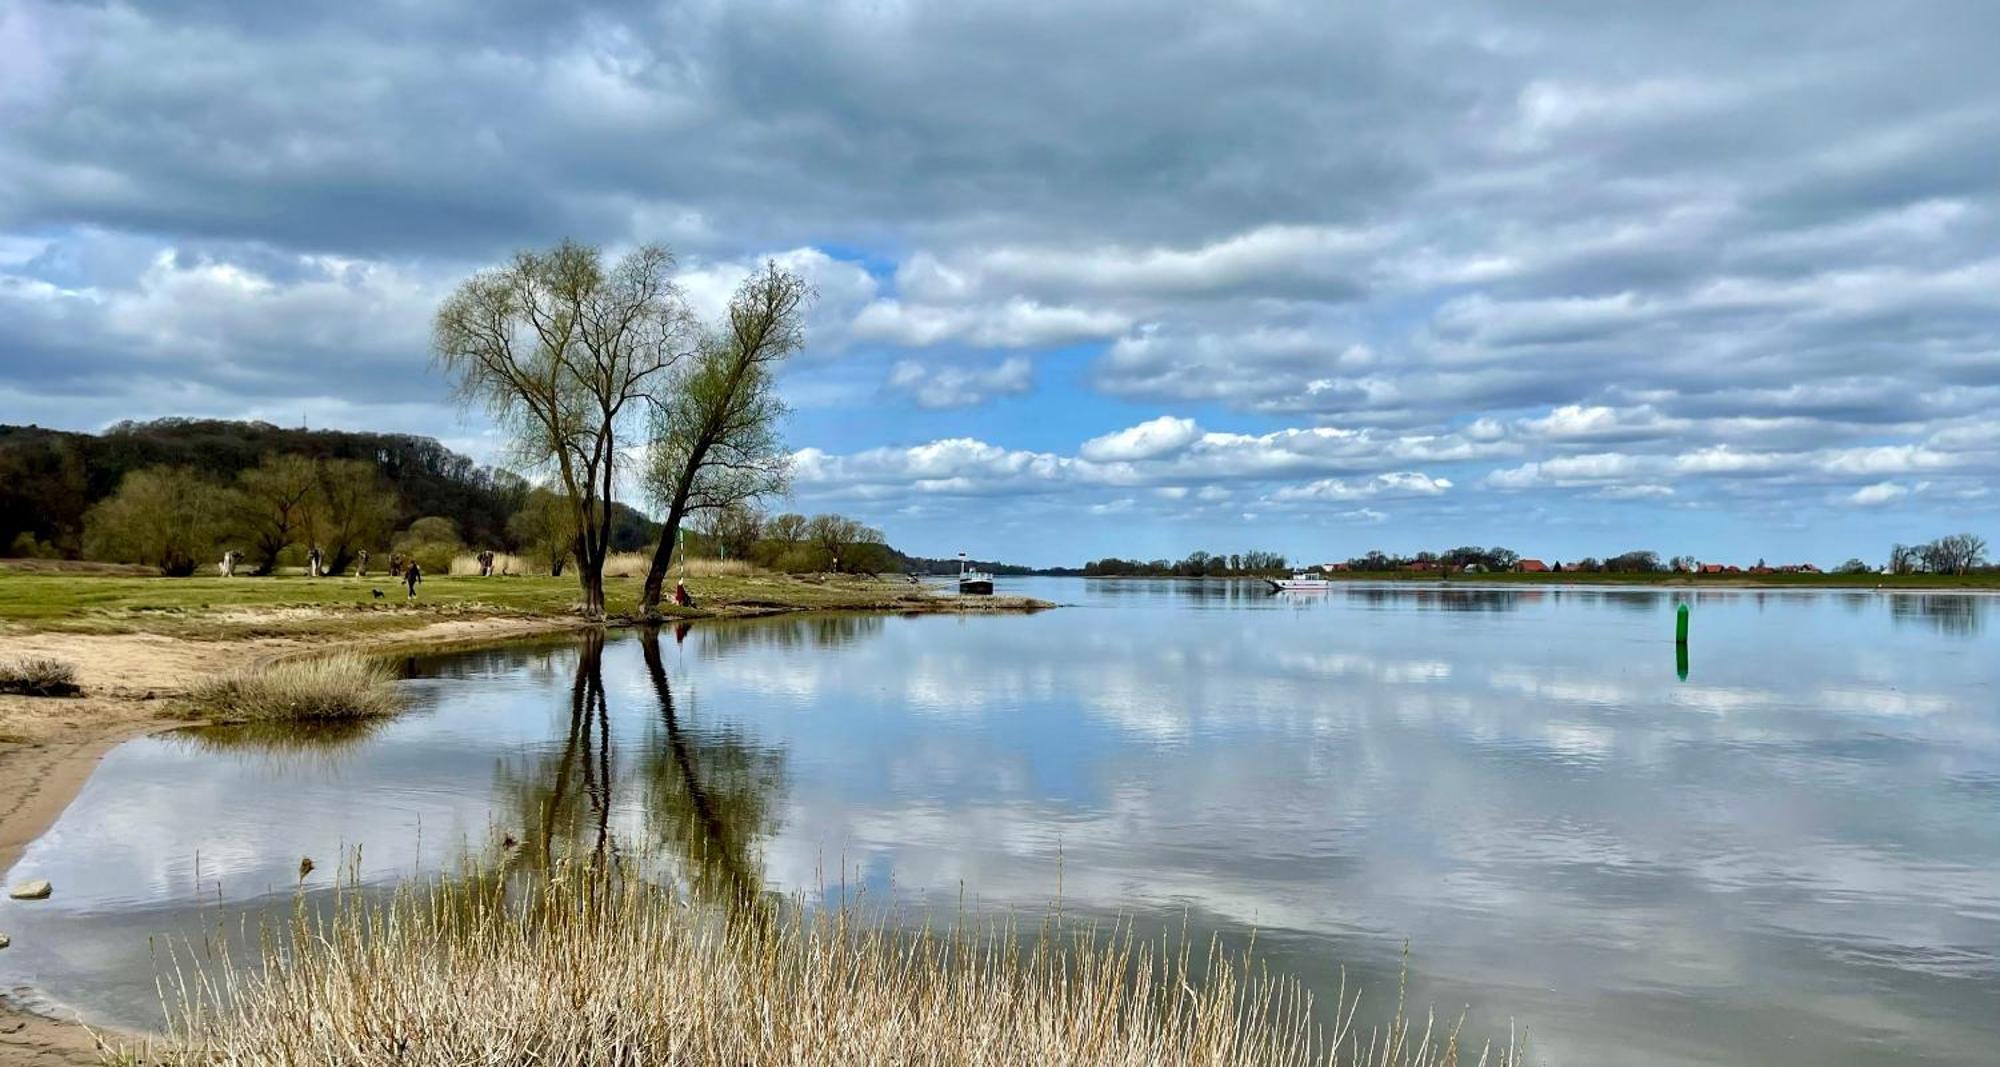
(1299, 583)
(973, 581)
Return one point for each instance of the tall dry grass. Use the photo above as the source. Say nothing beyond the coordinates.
(635, 564)
(467, 563)
(325, 689)
(590, 969)
(719, 568)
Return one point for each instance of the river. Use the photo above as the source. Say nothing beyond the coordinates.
(1789, 855)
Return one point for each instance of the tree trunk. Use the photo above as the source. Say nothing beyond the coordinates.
(663, 557)
(590, 577)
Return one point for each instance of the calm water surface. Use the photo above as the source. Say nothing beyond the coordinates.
(1792, 856)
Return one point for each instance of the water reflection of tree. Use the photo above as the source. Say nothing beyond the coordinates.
(534, 658)
(1445, 599)
(1957, 614)
(808, 631)
(1202, 589)
(708, 793)
(703, 798)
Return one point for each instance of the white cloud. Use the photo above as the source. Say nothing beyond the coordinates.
(841, 288)
(1875, 495)
(1320, 259)
(955, 387)
(1014, 323)
(1148, 440)
(1398, 483)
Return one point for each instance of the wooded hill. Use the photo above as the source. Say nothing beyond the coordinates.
(50, 478)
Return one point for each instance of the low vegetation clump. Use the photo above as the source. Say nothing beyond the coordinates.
(585, 968)
(38, 677)
(327, 689)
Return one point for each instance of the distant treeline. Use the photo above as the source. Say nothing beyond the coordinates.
(51, 479)
(797, 543)
(1955, 554)
(1194, 565)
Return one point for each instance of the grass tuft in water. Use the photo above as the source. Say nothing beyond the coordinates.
(319, 690)
(586, 968)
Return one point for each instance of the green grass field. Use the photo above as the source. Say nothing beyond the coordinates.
(210, 607)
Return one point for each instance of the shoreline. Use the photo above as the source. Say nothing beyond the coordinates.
(51, 746)
(1874, 583)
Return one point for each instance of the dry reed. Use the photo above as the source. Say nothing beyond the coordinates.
(635, 565)
(583, 968)
(466, 564)
(718, 568)
(627, 564)
(333, 688)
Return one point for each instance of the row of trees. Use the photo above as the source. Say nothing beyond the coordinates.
(1194, 565)
(1956, 554)
(178, 519)
(793, 543)
(586, 364)
(1496, 559)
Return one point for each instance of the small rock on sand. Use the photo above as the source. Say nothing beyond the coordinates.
(31, 891)
(5, 940)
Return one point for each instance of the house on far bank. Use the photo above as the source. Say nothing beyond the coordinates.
(1331, 567)
(1531, 566)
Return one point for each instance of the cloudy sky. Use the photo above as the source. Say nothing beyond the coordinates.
(1720, 278)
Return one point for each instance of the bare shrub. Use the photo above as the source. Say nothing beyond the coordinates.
(39, 677)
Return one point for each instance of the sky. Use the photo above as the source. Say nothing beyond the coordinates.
(1717, 279)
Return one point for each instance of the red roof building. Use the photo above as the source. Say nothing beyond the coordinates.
(1531, 566)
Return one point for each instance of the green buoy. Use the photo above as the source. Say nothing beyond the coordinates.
(1681, 642)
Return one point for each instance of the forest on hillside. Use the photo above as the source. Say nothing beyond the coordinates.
(51, 479)
(177, 493)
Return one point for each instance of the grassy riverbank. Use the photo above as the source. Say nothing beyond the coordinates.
(208, 608)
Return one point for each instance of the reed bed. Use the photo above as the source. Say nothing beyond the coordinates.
(627, 564)
(39, 677)
(466, 564)
(585, 968)
(336, 688)
(718, 568)
(635, 565)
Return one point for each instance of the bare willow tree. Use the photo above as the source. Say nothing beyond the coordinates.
(715, 437)
(565, 353)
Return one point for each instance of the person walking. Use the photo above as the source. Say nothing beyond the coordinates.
(411, 577)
